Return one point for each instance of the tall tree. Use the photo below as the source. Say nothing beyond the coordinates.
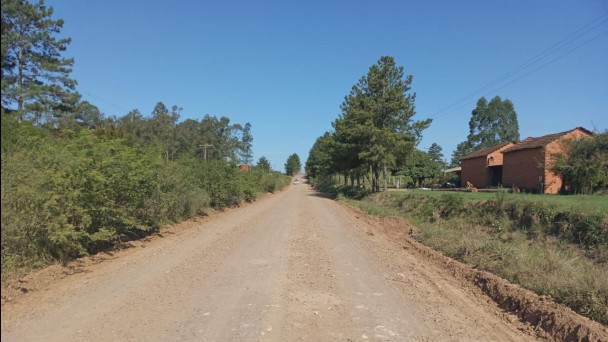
(161, 127)
(378, 117)
(322, 157)
(264, 164)
(35, 75)
(245, 150)
(493, 123)
(293, 165)
(436, 154)
(188, 138)
(419, 166)
(132, 126)
(84, 115)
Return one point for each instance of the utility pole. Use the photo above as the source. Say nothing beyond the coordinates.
(205, 149)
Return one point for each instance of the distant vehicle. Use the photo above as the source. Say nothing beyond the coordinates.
(448, 185)
(296, 182)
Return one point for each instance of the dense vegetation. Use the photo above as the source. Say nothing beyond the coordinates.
(552, 249)
(584, 165)
(75, 181)
(69, 193)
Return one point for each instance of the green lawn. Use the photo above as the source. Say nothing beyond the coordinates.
(584, 203)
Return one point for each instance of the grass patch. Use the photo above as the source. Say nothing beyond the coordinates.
(582, 203)
(544, 266)
(550, 249)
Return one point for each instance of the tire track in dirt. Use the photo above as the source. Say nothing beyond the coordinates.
(313, 307)
(431, 305)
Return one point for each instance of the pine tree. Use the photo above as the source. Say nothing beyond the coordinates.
(377, 117)
(35, 75)
(264, 164)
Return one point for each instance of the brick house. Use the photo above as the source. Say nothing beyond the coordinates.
(526, 165)
(484, 168)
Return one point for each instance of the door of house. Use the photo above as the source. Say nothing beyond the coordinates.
(495, 175)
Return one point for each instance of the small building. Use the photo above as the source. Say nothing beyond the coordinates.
(527, 165)
(454, 174)
(484, 168)
(244, 167)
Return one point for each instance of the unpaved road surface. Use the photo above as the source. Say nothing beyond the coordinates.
(294, 266)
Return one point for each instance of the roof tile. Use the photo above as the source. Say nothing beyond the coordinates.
(531, 142)
(485, 151)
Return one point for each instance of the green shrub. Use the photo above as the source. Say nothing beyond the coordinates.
(353, 192)
(325, 184)
(75, 193)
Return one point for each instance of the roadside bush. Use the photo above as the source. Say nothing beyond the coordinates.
(181, 194)
(353, 192)
(324, 184)
(220, 181)
(79, 195)
(67, 194)
(584, 165)
(281, 181)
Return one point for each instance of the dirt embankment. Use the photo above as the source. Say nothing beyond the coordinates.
(549, 319)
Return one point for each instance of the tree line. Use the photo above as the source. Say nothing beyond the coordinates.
(75, 181)
(375, 134)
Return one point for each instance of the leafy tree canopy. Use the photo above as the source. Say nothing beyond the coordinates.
(583, 165)
(322, 157)
(293, 165)
(264, 164)
(491, 123)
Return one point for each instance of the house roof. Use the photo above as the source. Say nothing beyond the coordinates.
(485, 151)
(543, 141)
(453, 169)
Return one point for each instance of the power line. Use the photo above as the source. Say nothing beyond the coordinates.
(553, 48)
(528, 63)
(104, 100)
(529, 72)
(554, 60)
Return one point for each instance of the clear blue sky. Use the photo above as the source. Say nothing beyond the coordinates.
(285, 66)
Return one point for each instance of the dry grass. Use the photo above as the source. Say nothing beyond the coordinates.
(542, 263)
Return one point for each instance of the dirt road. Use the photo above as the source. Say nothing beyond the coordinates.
(293, 266)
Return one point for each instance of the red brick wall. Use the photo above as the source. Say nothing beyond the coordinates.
(496, 158)
(474, 170)
(522, 168)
